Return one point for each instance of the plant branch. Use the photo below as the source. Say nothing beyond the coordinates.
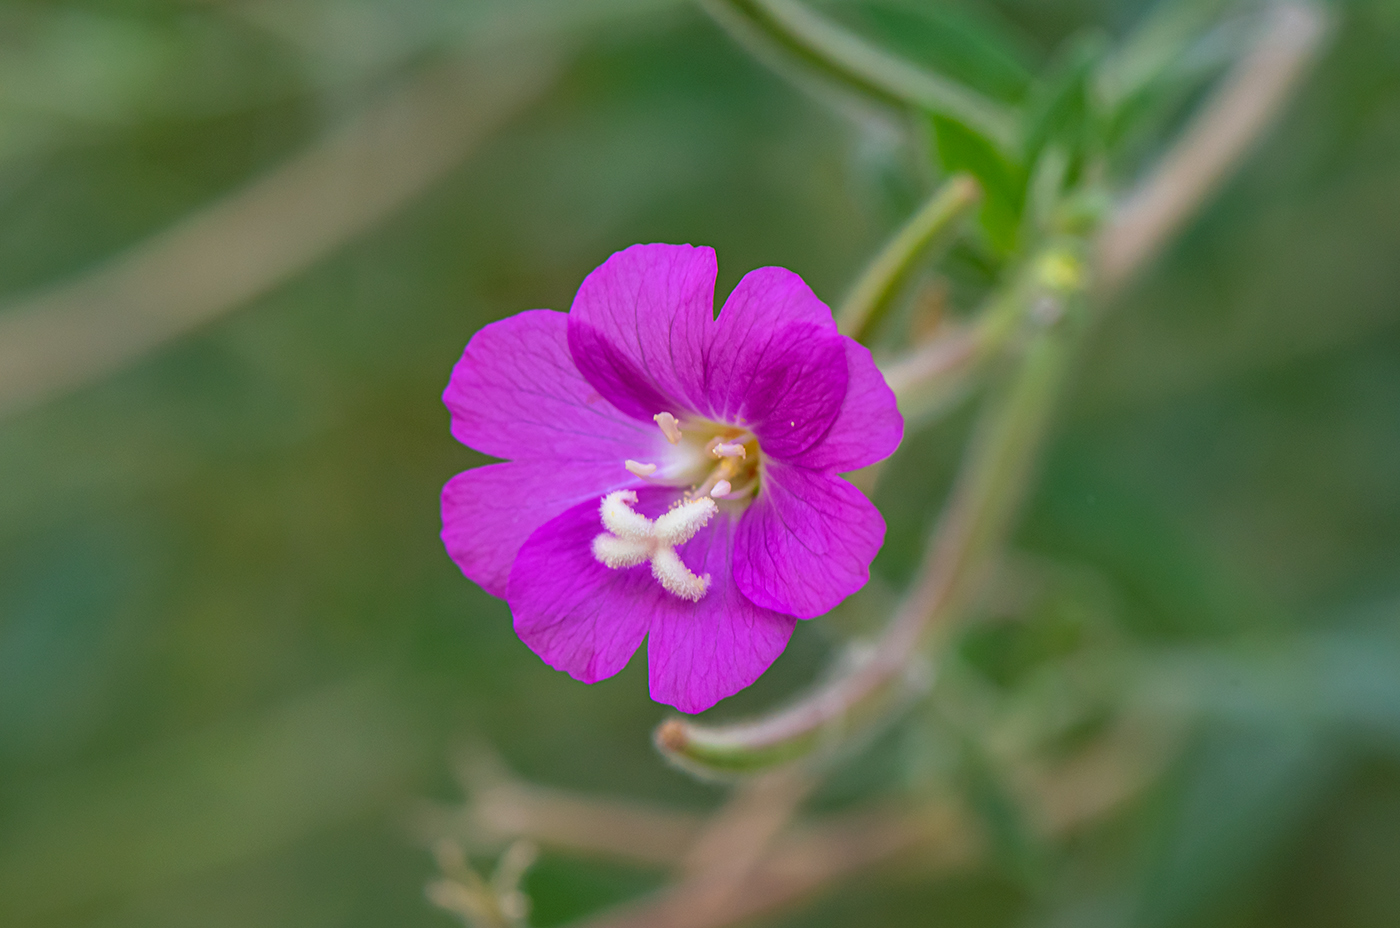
(1001, 456)
(959, 554)
(1213, 144)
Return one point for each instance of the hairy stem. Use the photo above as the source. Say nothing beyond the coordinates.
(876, 288)
(962, 548)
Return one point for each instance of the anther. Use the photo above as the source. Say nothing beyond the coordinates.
(725, 450)
(669, 427)
(641, 470)
(721, 489)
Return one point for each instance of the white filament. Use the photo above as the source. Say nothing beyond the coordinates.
(670, 427)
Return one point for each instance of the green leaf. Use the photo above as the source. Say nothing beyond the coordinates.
(1061, 109)
(1003, 182)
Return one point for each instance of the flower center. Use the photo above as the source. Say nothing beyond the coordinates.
(713, 462)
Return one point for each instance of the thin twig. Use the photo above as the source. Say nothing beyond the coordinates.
(256, 238)
(936, 837)
(1212, 146)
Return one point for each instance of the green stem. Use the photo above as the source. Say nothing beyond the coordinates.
(959, 555)
(830, 49)
(875, 290)
(930, 378)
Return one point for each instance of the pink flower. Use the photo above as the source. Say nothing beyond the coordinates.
(670, 475)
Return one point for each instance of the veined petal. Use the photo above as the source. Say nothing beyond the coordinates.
(766, 298)
(773, 362)
(787, 385)
(869, 427)
(516, 393)
(578, 615)
(488, 512)
(586, 619)
(699, 653)
(638, 324)
(806, 541)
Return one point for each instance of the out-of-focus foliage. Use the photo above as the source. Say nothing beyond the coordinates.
(233, 655)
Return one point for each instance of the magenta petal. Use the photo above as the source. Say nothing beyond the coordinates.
(587, 619)
(787, 385)
(806, 542)
(489, 512)
(577, 615)
(638, 324)
(869, 426)
(767, 298)
(516, 393)
(700, 653)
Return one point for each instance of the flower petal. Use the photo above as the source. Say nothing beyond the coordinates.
(869, 427)
(488, 512)
(806, 541)
(787, 385)
(767, 298)
(587, 619)
(699, 653)
(516, 393)
(638, 324)
(579, 616)
(773, 360)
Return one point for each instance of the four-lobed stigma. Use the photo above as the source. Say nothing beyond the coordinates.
(632, 539)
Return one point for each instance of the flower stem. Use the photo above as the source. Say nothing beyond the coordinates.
(837, 53)
(961, 551)
(874, 292)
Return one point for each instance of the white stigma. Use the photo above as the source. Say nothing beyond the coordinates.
(680, 524)
(641, 470)
(620, 552)
(620, 519)
(723, 450)
(670, 427)
(721, 489)
(668, 570)
(635, 539)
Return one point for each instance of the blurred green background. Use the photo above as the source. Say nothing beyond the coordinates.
(234, 656)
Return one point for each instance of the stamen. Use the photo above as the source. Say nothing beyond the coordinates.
(617, 552)
(725, 450)
(680, 524)
(670, 427)
(641, 470)
(721, 489)
(621, 520)
(672, 574)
